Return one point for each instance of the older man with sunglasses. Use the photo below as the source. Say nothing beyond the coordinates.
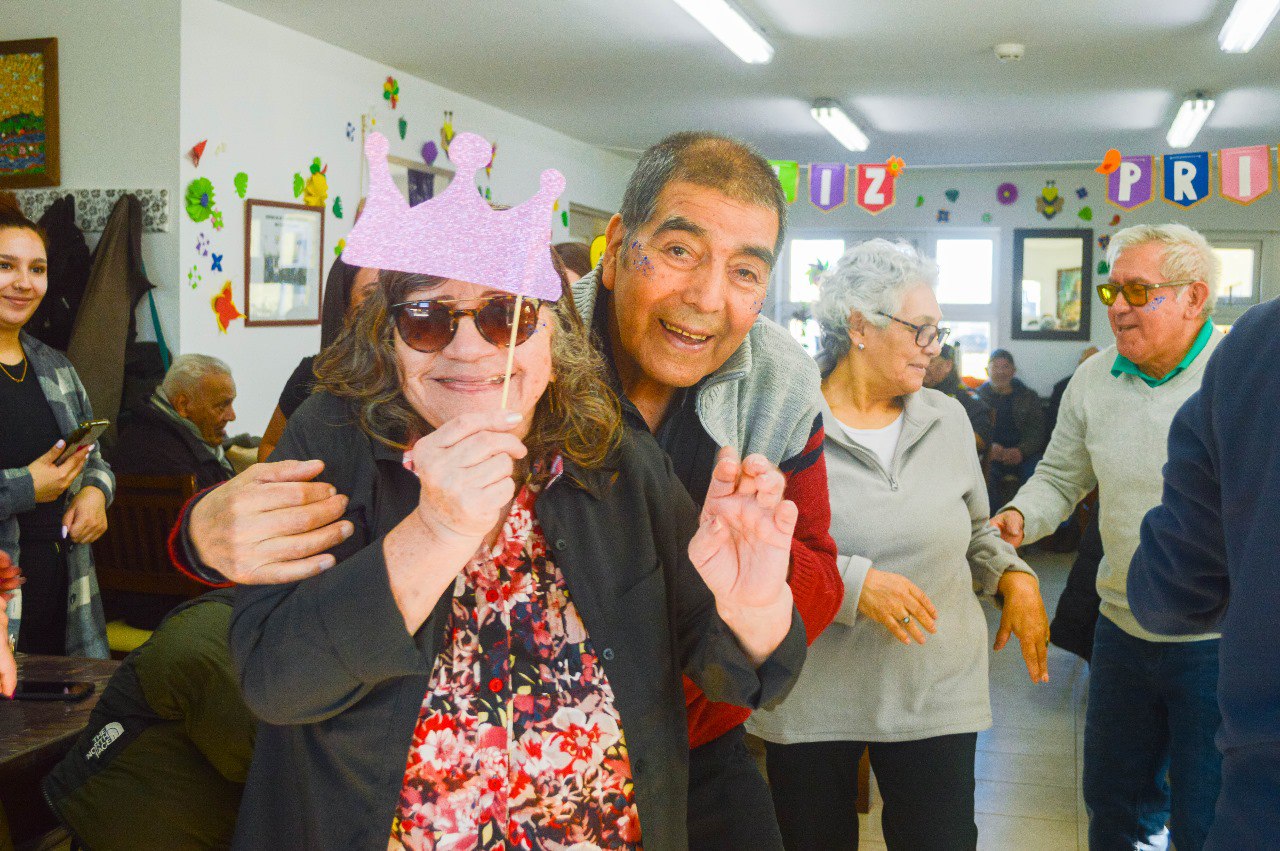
(1149, 753)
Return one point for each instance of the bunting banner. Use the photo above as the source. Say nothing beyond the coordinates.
(1132, 184)
(875, 187)
(1244, 174)
(828, 185)
(788, 172)
(1186, 179)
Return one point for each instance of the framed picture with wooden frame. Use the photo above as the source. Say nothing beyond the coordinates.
(283, 263)
(29, 113)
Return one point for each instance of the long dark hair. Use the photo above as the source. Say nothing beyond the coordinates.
(11, 216)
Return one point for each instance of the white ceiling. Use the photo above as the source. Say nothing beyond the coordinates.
(919, 77)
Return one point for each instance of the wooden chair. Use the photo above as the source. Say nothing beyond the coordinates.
(133, 556)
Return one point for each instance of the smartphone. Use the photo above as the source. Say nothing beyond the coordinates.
(52, 690)
(85, 434)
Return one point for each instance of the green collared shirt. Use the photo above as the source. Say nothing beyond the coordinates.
(1123, 365)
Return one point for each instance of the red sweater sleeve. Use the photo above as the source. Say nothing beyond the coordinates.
(815, 581)
(181, 555)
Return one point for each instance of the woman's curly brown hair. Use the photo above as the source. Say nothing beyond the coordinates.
(578, 416)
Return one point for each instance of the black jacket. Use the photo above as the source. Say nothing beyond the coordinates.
(338, 684)
(152, 444)
(1028, 415)
(69, 263)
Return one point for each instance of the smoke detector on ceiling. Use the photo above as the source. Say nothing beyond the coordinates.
(1010, 51)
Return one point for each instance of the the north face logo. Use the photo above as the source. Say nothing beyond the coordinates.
(105, 737)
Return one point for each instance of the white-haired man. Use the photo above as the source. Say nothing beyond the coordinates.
(1149, 752)
(181, 429)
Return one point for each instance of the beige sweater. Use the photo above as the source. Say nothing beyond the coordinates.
(1112, 433)
(925, 518)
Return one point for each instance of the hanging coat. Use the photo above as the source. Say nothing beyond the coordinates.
(104, 324)
(69, 263)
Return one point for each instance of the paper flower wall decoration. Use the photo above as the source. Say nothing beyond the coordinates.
(895, 165)
(1006, 193)
(241, 181)
(199, 199)
(446, 132)
(337, 206)
(1049, 204)
(337, 249)
(224, 307)
(216, 219)
(196, 152)
(391, 91)
(816, 269)
(316, 190)
(404, 126)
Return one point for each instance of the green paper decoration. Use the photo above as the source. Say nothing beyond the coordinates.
(919, 200)
(242, 183)
(1085, 214)
(199, 199)
(298, 184)
(564, 217)
(217, 219)
(337, 249)
(952, 195)
(337, 206)
(404, 126)
(1103, 267)
(986, 218)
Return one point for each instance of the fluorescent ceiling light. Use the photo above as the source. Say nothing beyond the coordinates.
(834, 120)
(731, 27)
(1246, 24)
(1187, 123)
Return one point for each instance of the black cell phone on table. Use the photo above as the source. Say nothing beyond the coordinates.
(85, 434)
(52, 690)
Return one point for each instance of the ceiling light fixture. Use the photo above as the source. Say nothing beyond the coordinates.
(837, 122)
(1190, 118)
(1246, 24)
(732, 28)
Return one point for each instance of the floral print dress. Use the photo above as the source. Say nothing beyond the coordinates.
(518, 743)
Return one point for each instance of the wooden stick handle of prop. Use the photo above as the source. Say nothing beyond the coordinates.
(511, 350)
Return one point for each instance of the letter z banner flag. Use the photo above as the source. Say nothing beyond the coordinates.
(875, 187)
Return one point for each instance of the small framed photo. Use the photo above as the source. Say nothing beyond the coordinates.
(283, 263)
(29, 113)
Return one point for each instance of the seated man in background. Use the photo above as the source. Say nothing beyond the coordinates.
(943, 374)
(181, 430)
(1019, 435)
(164, 757)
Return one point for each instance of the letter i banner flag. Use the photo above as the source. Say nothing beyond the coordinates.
(1186, 178)
(1132, 184)
(1244, 173)
(788, 173)
(875, 187)
(828, 185)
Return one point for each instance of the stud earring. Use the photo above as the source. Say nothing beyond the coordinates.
(861, 346)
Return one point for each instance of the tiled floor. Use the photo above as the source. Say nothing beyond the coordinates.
(1029, 762)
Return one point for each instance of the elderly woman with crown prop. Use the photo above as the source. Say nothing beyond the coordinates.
(495, 659)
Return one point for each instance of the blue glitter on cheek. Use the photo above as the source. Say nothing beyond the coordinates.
(642, 264)
(1155, 303)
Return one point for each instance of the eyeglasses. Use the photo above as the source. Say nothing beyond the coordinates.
(430, 325)
(1136, 294)
(925, 334)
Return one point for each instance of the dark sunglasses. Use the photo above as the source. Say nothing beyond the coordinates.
(430, 325)
(1136, 294)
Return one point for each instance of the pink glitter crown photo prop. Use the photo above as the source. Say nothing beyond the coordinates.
(457, 234)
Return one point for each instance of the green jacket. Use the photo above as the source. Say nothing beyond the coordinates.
(163, 759)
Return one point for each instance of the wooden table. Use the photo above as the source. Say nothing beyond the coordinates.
(35, 735)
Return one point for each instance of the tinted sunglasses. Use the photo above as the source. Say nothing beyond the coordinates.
(430, 325)
(1136, 294)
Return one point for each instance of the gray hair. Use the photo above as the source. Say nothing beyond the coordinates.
(704, 159)
(872, 277)
(1187, 255)
(186, 371)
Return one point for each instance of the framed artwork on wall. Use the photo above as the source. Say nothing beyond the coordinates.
(283, 263)
(29, 113)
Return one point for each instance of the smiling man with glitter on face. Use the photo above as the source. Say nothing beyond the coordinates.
(674, 305)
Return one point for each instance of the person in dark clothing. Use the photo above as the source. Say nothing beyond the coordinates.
(1208, 557)
(576, 257)
(344, 290)
(49, 511)
(69, 265)
(943, 375)
(1076, 616)
(1018, 436)
(1055, 398)
(182, 429)
(162, 762)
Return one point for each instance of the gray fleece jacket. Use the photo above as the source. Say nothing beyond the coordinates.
(925, 518)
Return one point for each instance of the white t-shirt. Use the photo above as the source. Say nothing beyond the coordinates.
(881, 441)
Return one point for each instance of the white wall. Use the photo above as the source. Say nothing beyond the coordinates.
(1040, 364)
(118, 111)
(276, 98)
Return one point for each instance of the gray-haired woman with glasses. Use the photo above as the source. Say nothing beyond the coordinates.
(903, 669)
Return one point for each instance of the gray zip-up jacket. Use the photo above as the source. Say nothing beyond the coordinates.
(925, 518)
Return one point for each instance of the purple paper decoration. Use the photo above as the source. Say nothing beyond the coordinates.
(1132, 184)
(429, 153)
(828, 185)
(1006, 193)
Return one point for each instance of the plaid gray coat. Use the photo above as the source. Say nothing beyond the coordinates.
(86, 625)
